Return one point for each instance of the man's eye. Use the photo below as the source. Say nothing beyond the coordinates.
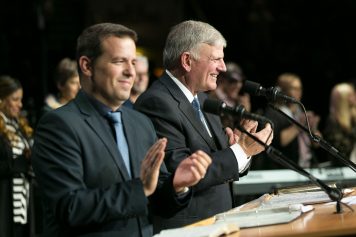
(117, 61)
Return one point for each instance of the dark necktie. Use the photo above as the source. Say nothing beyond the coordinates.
(199, 113)
(115, 119)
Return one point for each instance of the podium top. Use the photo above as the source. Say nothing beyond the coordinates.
(322, 221)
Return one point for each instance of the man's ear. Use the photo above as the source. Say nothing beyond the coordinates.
(186, 61)
(85, 65)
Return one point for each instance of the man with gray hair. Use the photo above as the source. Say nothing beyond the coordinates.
(193, 58)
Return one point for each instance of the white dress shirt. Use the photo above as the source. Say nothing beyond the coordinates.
(242, 159)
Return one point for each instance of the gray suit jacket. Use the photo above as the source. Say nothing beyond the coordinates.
(86, 188)
(174, 117)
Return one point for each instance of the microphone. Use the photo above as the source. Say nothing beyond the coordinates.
(219, 107)
(272, 93)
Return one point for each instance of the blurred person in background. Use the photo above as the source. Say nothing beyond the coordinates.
(141, 80)
(15, 166)
(340, 127)
(289, 139)
(67, 83)
(229, 85)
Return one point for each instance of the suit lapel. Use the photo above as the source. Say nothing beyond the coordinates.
(96, 123)
(217, 129)
(187, 109)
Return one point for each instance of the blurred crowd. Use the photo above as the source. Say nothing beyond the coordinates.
(19, 197)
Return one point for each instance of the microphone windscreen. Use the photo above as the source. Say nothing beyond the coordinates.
(251, 87)
(212, 106)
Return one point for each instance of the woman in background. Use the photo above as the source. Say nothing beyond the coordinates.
(15, 166)
(67, 83)
(340, 127)
(288, 138)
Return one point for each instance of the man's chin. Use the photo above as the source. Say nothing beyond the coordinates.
(212, 87)
(122, 96)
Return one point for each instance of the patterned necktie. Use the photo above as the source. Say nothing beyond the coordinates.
(115, 119)
(199, 113)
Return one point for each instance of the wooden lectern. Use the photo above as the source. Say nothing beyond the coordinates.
(322, 221)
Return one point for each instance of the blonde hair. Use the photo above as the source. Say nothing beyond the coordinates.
(341, 109)
(285, 80)
(24, 126)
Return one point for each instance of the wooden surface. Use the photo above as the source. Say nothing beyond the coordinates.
(322, 221)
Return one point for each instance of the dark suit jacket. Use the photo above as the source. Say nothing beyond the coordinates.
(174, 117)
(86, 188)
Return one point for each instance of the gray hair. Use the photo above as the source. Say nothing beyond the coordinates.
(187, 36)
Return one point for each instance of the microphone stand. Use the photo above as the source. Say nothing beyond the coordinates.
(334, 194)
(324, 144)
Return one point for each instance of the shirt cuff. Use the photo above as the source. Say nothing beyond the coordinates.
(242, 159)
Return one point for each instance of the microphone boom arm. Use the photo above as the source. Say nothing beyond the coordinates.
(324, 144)
(334, 194)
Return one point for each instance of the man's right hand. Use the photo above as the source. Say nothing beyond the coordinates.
(150, 166)
(191, 170)
(250, 146)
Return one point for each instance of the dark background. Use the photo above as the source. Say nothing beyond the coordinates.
(314, 39)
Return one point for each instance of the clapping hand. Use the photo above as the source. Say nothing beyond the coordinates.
(250, 146)
(150, 166)
(191, 170)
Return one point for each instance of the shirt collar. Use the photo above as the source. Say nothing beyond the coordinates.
(183, 88)
(100, 107)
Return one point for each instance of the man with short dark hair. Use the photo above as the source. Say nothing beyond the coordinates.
(99, 163)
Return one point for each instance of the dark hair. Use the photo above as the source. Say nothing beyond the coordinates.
(89, 42)
(8, 85)
(66, 69)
